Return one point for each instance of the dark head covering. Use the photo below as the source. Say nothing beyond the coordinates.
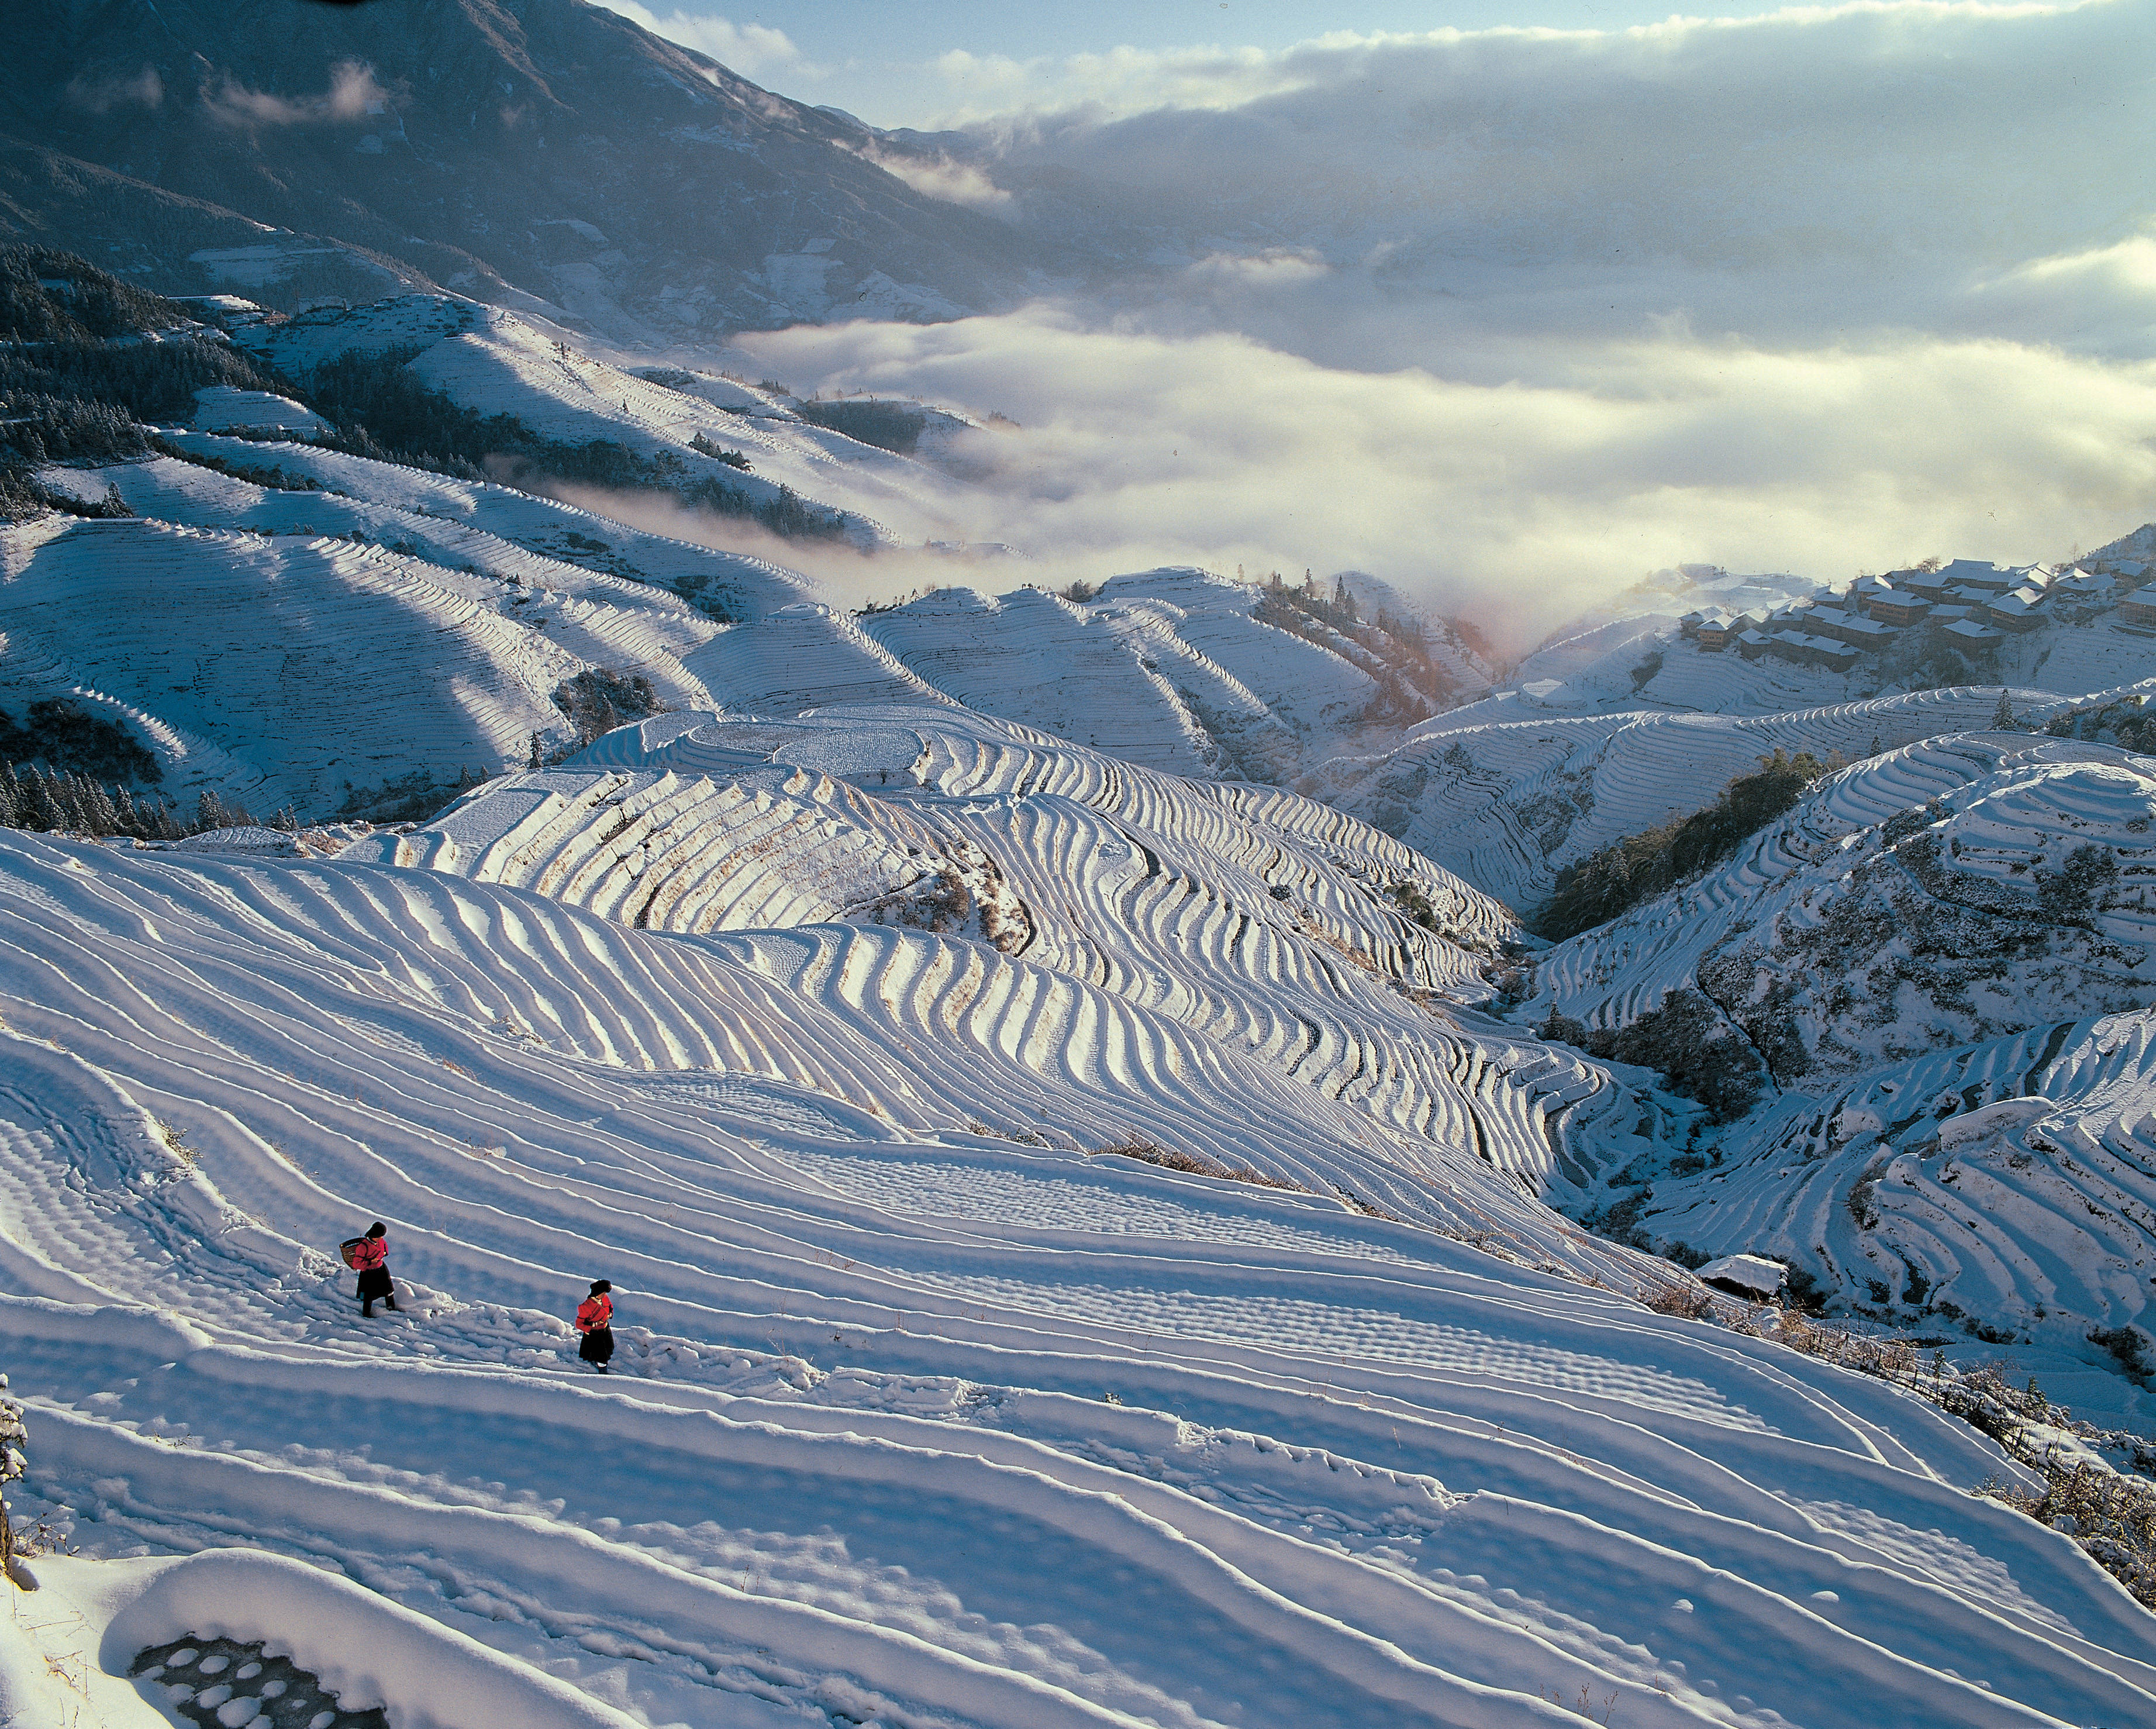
(601, 1285)
(378, 1229)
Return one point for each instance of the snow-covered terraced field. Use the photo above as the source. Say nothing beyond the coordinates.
(604, 619)
(2013, 1181)
(912, 1424)
(1264, 924)
(748, 587)
(1167, 668)
(1507, 803)
(1974, 902)
(316, 663)
(493, 363)
(2018, 806)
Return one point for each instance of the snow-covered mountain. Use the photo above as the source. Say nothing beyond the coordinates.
(1113, 1218)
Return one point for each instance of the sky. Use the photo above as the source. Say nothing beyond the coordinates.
(1511, 317)
(931, 63)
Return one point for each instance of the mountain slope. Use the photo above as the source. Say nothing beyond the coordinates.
(542, 153)
(1345, 1475)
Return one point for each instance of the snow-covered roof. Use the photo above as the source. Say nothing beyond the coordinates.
(1979, 573)
(1751, 1272)
(220, 407)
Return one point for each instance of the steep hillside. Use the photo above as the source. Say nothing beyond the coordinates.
(1926, 941)
(542, 153)
(291, 645)
(2000, 1191)
(1910, 903)
(544, 406)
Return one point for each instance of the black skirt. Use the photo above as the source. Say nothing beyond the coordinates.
(597, 1346)
(375, 1282)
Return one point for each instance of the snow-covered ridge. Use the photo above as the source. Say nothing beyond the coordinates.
(494, 362)
(1972, 902)
(2006, 1181)
(1995, 814)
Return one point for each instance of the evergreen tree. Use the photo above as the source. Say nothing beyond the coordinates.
(37, 805)
(2002, 717)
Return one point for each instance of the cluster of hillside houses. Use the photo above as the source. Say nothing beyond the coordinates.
(1968, 603)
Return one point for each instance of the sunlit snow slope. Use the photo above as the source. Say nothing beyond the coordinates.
(913, 1422)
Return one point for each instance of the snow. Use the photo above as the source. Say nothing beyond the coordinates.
(221, 408)
(857, 1457)
(1755, 1274)
(1083, 1215)
(493, 362)
(1506, 801)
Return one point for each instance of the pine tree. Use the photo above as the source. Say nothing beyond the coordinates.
(37, 805)
(2002, 717)
(98, 816)
(210, 812)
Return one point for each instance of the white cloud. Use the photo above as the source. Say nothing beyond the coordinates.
(143, 90)
(1509, 317)
(1520, 499)
(750, 50)
(352, 94)
(961, 88)
(939, 176)
(2099, 299)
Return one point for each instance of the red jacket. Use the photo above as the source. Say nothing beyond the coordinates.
(369, 1253)
(594, 1313)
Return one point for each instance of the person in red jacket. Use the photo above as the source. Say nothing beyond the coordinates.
(595, 1321)
(371, 1257)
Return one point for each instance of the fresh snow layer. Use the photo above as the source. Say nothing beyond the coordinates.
(1506, 801)
(317, 663)
(221, 409)
(494, 362)
(1256, 922)
(1960, 1127)
(859, 1458)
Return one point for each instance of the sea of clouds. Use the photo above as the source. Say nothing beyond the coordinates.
(1511, 316)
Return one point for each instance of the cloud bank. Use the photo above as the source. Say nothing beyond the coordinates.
(352, 95)
(1519, 500)
(750, 50)
(1509, 317)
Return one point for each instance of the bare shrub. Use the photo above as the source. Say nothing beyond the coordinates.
(1196, 1164)
(1687, 1301)
(175, 1140)
(2111, 1516)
